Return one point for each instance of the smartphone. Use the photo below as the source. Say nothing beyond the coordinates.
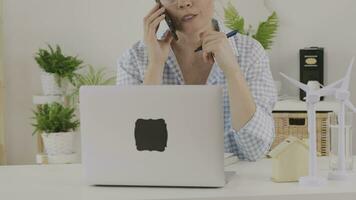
(169, 22)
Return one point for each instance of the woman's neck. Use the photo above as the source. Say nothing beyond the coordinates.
(190, 41)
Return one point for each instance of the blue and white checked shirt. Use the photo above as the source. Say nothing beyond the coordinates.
(251, 142)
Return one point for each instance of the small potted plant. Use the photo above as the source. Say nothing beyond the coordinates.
(89, 77)
(57, 127)
(57, 70)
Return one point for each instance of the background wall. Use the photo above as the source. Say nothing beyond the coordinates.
(2, 150)
(99, 31)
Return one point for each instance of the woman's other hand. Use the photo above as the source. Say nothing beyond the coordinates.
(216, 47)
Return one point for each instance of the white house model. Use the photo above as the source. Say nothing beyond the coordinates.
(289, 160)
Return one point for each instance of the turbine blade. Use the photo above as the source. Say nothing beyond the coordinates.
(350, 105)
(334, 84)
(329, 89)
(296, 83)
(326, 92)
(346, 83)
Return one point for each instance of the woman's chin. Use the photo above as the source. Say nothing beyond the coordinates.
(193, 27)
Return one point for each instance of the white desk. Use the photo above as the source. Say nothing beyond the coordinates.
(296, 105)
(252, 182)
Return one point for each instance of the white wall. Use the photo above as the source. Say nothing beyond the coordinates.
(99, 31)
(2, 150)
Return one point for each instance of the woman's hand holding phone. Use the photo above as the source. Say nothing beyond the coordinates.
(158, 50)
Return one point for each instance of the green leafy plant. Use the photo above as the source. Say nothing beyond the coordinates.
(266, 30)
(53, 61)
(90, 77)
(54, 118)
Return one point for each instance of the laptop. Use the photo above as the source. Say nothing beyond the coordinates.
(152, 135)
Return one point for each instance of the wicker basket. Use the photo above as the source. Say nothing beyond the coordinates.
(296, 124)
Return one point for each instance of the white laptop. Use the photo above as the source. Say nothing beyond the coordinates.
(152, 135)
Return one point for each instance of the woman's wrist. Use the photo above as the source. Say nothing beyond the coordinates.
(155, 64)
(154, 74)
(232, 73)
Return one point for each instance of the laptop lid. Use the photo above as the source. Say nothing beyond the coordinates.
(152, 135)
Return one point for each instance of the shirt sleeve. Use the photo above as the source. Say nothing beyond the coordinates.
(256, 137)
(128, 72)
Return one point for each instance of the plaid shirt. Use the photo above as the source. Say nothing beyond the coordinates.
(251, 142)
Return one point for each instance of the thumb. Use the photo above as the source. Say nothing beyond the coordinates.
(168, 37)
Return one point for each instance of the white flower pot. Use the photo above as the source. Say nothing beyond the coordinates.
(50, 86)
(58, 143)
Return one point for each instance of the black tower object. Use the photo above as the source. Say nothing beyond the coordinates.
(311, 66)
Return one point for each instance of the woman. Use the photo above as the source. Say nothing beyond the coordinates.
(239, 64)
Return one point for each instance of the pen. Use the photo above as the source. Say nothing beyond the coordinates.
(232, 33)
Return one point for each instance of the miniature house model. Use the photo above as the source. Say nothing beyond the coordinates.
(289, 160)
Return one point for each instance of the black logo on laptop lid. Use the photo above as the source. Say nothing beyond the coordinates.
(151, 135)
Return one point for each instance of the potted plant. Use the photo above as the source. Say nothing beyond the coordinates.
(266, 30)
(57, 127)
(57, 70)
(89, 77)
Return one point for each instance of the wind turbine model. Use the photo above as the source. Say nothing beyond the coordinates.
(312, 97)
(342, 94)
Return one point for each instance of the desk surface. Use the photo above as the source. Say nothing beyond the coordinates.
(251, 182)
(296, 105)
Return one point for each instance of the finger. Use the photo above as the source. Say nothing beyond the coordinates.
(212, 38)
(155, 15)
(149, 18)
(211, 59)
(169, 37)
(165, 35)
(207, 33)
(208, 57)
(203, 34)
(211, 47)
(148, 22)
(154, 25)
(205, 57)
(156, 7)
